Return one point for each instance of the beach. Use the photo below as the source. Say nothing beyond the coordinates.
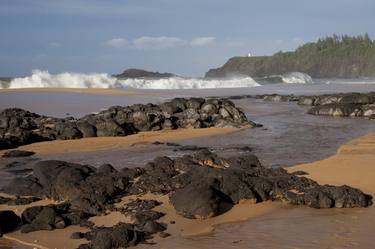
(352, 165)
(333, 151)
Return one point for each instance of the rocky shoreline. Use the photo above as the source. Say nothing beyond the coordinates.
(337, 105)
(215, 184)
(19, 127)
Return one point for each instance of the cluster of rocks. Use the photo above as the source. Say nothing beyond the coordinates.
(342, 105)
(338, 104)
(19, 127)
(214, 184)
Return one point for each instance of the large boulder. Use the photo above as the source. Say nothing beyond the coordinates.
(206, 203)
(9, 221)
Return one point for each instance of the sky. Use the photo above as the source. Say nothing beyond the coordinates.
(186, 37)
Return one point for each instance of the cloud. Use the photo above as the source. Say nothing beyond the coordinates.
(148, 42)
(117, 43)
(55, 44)
(202, 41)
(158, 42)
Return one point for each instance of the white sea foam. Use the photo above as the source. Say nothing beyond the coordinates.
(72, 80)
(188, 83)
(296, 78)
(102, 80)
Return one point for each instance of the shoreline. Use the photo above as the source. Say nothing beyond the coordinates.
(95, 91)
(351, 165)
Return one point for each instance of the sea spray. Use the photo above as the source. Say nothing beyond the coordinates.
(102, 80)
(296, 78)
(68, 80)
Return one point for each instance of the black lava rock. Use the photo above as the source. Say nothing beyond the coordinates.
(9, 221)
(18, 153)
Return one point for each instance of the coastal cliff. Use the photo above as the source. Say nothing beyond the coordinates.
(331, 57)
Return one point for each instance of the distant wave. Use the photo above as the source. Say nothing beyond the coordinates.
(296, 78)
(288, 78)
(101, 80)
(188, 83)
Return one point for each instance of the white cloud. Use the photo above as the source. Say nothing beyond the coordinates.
(148, 42)
(202, 41)
(158, 42)
(117, 43)
(55, 44)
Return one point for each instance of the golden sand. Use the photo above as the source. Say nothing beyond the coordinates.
(118, 143)
(353, 165)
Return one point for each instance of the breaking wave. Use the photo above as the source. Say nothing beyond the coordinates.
(296, 78)
(103, 80)
(188, 83)
(68, 80)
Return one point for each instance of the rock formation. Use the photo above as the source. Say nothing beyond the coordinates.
(19, 127)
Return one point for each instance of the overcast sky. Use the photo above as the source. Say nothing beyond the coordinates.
(186, 37)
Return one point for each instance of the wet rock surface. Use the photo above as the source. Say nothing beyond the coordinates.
(122, 235)
(337, 105)
(52, 217)
(19, 127)
(199, 186)
(18, 153)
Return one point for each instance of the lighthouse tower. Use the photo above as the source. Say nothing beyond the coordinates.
(249, 55)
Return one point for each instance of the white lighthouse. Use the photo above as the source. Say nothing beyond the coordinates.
(249, 55)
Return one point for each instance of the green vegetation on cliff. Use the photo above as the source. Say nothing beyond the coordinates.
(331, 57)
(140, 73)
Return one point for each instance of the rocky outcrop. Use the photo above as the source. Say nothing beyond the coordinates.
(51, 217)
(121, 235)
(19, 127)
(341, 105)
(139, 73)
(200, 186)
(337, 105)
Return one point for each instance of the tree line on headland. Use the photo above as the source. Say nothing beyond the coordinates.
(331, 57)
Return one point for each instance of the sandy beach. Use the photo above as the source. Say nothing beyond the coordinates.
(352, 165)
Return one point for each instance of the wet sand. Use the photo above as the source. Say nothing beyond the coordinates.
(118, 143)
(270, 225)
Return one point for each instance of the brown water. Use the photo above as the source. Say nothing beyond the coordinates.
(289, 137)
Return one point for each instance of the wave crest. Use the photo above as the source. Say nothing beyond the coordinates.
(296, 78)
(72, 80)
(102, 80)
(188, 83)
